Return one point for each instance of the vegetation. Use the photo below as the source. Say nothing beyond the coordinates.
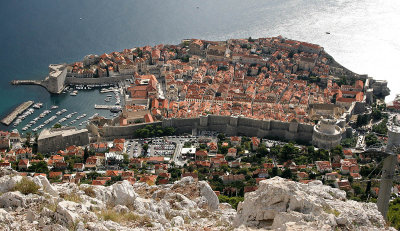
(233, 201)
(89, 191)
(362, 120)
(57, 125)
(393, 214)
(72, 197)
(381, 128)
(349, 142)
(120, 217)
(39, 167)
(371, 139)
(154, 131)
(26, 186)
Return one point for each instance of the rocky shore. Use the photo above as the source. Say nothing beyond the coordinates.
(278, 204)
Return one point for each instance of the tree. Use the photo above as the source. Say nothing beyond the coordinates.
(85, 154)
(287, 173)
(274, 171)
(28, 139)
(221, 137)
(371, 139)
(376, 114)
(39, 167)
(57, 125)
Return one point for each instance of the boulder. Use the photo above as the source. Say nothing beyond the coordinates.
(12, 200)
(8, 182)
(177, 221)
(45, 185)
(285, 205)
(207, 192)
(67, 213)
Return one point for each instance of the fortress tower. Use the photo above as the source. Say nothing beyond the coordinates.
(327, 134)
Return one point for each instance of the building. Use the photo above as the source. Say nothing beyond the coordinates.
(56, 78)
(52, 140)
(327, 134)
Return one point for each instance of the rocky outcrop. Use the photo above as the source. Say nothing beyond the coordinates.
(280, 204)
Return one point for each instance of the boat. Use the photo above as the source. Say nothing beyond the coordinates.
(107, 99)
(37, 105)
(74, 93)
(54, 107)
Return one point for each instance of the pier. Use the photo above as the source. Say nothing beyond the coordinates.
(27, 82)
(17, 111)
(107, 107)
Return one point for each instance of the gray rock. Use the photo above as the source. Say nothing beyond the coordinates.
(207, 192)
(12, 200)
(45, 185)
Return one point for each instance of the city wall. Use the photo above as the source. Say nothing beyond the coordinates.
(233, 126)
(115, 132)
(94, 81)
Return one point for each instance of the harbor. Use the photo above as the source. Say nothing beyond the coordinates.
(41, 113)
(17, 111)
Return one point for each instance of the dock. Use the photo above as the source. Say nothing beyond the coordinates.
(107, 107)
(17, 111)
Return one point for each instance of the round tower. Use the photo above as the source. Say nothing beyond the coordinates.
(327, 134)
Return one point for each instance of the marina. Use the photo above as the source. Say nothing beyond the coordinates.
(45, 114)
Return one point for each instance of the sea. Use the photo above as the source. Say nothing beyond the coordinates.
(363, 36)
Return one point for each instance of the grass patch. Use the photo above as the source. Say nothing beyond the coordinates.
(89, 191)
(111, 215)
(51, 206)
(72, 197)
(26, 186)
(332, 211)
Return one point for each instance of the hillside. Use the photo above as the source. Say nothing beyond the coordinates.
(185, 205)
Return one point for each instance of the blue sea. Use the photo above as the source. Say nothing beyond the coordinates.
(363, 35)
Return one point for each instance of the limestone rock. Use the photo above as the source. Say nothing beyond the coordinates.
(286, 205)
(207, 192)
(67, 213)
(44, 183)
(177, 221)
(8, 182)
(12, 200)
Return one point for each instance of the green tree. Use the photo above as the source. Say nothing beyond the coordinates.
(287, 173)
(39, 167)
(371, 139)
(85, 154)
(57, 125)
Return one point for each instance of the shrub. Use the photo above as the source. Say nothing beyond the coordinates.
(26, 186)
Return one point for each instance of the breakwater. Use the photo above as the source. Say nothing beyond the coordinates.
(17, 111)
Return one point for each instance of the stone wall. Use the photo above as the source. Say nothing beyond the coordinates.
(233, 126)
(114, 132)
(60, 142)
(93, 81)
